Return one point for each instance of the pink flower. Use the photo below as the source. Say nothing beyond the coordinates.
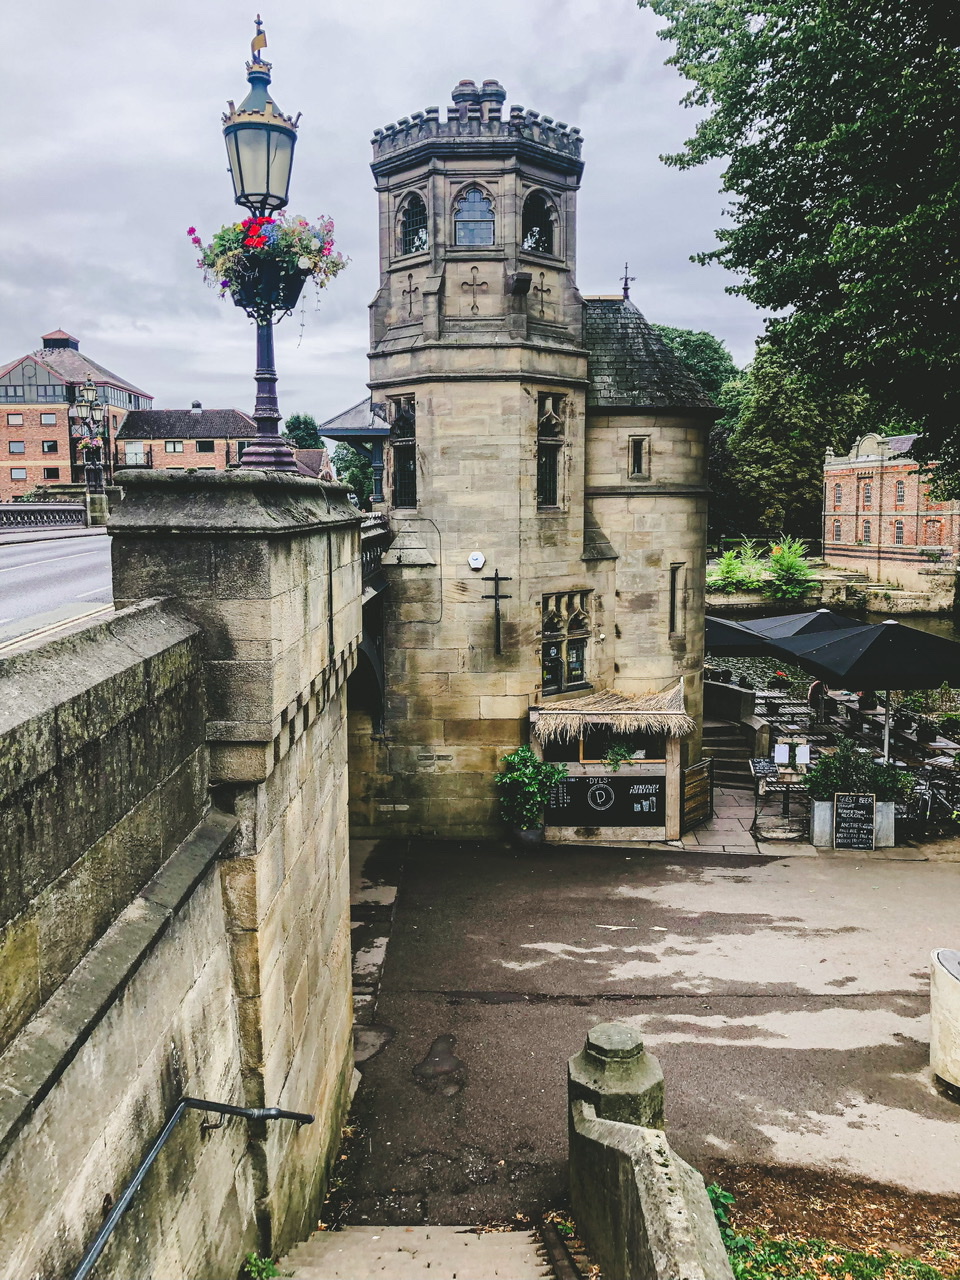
(191, 231)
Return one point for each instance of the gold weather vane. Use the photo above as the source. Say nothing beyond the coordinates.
(627, 281)
(259, 41)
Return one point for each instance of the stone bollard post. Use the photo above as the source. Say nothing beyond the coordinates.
(643, 1213)
(618, 1077)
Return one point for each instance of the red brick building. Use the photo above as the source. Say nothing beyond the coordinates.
(38, 429)
(879, 518)
(177, 439)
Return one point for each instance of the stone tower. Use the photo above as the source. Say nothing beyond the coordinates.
(517, 578)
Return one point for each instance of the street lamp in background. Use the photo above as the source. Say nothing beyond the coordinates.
(260, 141)
(90, 412)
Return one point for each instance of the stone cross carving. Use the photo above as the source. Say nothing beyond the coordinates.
(474, 284)
(541, 290)
(410, 291)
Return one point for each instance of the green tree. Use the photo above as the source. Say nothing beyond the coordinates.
(303, 431)
(712, 365)
(355, 471)
(778, 445)
(840, 124)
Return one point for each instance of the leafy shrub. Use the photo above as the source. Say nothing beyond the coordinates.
(850, 769)
(790, 574)
(738, 569)
(256, 1267)
(524, 787)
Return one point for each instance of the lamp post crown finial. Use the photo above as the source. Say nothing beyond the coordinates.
(259, 40)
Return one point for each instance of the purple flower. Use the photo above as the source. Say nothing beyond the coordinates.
(224, 284)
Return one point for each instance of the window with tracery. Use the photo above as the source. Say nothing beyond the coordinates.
(413, 226)
(473, 218)
(537, 224)
(549, 444)
(403, 448)
(566, 631)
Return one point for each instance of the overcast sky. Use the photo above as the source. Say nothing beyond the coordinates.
(112, 147)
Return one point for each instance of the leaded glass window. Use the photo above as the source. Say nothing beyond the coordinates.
(537, 224)
(473, 218)
(413, 226)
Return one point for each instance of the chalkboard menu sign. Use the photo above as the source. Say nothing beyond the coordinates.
(764, 768)
(853, 815)
(608, 801)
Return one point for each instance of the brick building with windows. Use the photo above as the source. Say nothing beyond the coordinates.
(879, 517)
(38, 431)
(545, 479)
(177, 439)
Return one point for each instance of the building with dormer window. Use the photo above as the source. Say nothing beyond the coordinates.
(38, 430)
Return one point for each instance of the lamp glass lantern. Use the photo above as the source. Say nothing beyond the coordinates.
(260, 141)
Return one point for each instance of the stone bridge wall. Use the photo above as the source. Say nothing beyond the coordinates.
(173, 882)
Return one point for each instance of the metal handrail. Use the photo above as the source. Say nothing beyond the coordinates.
(99, 1242)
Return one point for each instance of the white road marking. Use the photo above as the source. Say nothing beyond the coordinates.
(83, 594)
(77, 555)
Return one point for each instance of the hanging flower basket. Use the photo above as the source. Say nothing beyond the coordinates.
(263, 263)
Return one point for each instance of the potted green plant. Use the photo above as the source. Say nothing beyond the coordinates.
(523, 787)
(850, 768)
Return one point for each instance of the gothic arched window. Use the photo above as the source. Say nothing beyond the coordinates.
(473, 218)
(537, 225)
(413, 226)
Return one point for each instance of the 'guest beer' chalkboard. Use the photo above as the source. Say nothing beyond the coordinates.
(853, 815)
(608, 801)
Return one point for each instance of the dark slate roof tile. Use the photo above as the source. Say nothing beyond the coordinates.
(630, 365)
(184, 424)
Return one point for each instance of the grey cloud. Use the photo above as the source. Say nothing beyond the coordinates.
(112, 147)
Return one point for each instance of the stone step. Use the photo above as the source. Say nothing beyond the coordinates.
(436, 1253)
(725, 751)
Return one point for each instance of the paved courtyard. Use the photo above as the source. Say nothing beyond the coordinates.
(785, 996)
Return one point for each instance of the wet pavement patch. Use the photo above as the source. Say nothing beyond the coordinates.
(441, 1071)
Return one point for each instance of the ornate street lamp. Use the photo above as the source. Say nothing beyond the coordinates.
(260, 141)
(90, 412)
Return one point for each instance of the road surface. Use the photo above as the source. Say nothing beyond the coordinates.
(40, 579)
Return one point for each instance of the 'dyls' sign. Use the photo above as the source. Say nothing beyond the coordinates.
(853, 814)
(608, 801)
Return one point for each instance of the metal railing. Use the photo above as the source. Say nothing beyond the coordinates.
(133, 458)
(41, 515)
(98, 1244)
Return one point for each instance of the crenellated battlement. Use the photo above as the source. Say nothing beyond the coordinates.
(477, 114)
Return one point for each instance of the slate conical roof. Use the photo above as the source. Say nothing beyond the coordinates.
(631, 366)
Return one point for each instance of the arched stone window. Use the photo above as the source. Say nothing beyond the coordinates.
(868, 494)
(549, 445)
(867, 533)
(898, 533)
(901, 494)
(837, 531)
(473, 218)
(413, 226)
(838, 495)
(537, 224)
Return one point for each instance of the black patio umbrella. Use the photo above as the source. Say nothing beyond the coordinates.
(887, 656)
(797, 624)
(725, 639)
